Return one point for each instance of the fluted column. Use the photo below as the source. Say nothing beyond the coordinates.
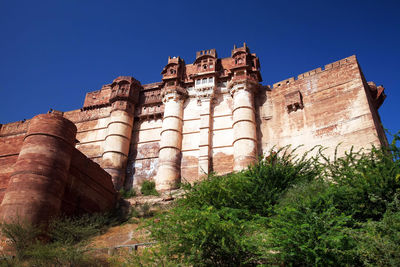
(40, 174)
(169, 160)
(116, 146)
(244, 125)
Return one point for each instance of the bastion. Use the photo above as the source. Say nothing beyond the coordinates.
(213, 115)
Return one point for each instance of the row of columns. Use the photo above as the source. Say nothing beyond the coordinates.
(119, 130)
(244, 131)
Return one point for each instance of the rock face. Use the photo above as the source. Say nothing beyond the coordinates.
(211, 115)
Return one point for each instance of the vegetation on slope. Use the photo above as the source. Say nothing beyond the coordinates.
(64, 242)
(296, 211)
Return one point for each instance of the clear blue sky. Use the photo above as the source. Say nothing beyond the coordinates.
(53, 52)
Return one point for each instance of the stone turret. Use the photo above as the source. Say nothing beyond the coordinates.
(243, 86)
(173, 95)
(40, 174)
(124, 97)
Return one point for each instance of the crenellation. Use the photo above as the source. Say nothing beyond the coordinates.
(283, 83)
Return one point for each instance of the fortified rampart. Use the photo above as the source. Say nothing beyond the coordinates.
(210, 115)
(43, 174)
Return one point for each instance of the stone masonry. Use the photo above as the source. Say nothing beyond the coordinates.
(211, 115)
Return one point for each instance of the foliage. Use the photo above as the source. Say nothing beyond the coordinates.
(365, 183)
(257, 189)
(222, 220)
(290, 210)
(127, 193)
(148, 257)
(309, 230)
(378, 242)
(62, 243)
(21, 235)
(149, 188)
(72, 230)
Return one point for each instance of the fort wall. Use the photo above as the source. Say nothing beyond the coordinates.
(44, 175)
(209, 116)
(322, 107)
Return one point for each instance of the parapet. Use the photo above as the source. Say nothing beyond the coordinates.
(349, 60)
(210, 52)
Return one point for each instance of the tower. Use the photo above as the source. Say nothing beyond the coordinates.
(124, 97)
(205, 78)
(243, 85)
(173, 95)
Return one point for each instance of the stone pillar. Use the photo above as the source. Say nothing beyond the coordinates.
(40, 174)
(116, 146)
(124, 96)
(244, 124)
(205, 138)
(169, 159)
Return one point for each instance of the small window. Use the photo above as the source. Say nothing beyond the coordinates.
(198, 82)
(211, 66)
(204, 81)
(204, 67)
(211, 79)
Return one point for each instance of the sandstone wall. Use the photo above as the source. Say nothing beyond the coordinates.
(92, 130)
(222, 136)
(143, 156)
(190, 140)
(42, 174)
(11, 138)
(320, 107)
(89, 188)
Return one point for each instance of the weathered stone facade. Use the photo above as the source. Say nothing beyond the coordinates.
(44, 175)
(211, 115)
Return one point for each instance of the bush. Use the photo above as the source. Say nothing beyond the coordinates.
(365, 182)
(309, 230)
(124, 193)
(62, 243)
(149, 188)
(315, 223)
(378, 243)
(292, 211)
(257, 189)
(222, 220)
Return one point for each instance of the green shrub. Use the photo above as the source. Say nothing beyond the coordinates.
(72, 230)
(378, 243)
(222, 220)
(257, 189)
(62, 244)
(21, 235)
(365, 182)
(149, 188)
(124, 193)
(309, 230)
(293, 211)
(313, 222)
